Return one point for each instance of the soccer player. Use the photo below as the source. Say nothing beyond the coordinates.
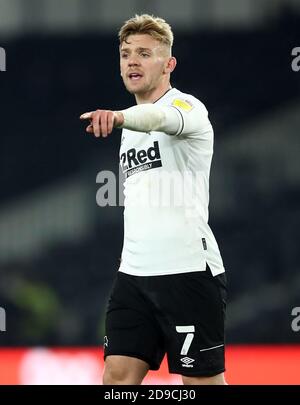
(170, 290)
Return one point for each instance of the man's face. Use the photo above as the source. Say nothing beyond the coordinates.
(143, 60)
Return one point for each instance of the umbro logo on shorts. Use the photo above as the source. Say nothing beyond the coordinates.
(187, 362)
(105, 343)
(134, 161)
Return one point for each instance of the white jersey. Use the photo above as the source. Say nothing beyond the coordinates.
(166, 192)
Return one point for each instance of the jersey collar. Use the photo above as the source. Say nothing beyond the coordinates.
(167, 92)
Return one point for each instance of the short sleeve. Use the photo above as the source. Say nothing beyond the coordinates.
(194, 116)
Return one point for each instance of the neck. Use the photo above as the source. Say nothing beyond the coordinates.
(152, 95)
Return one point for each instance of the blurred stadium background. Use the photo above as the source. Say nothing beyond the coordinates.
(59, 251)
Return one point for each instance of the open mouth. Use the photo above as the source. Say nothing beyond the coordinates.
(134, 76)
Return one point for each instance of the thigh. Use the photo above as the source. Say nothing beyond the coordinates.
(218, 379)
(192, 315)
(131, 328)
(124, 370)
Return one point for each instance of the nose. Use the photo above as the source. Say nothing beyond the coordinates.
(133, 61)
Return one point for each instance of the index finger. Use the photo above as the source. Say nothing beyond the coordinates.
(87, 115)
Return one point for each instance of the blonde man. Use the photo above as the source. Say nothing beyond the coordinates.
(169, 293)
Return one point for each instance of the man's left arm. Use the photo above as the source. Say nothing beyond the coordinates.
(194, 117)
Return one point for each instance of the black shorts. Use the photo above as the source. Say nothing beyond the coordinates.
(180, 314)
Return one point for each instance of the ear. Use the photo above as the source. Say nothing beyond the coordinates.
(170, 65)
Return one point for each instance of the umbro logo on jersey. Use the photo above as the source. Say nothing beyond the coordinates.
(187, 362)
(135, 161)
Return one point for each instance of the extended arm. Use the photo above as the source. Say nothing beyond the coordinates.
(141, 118)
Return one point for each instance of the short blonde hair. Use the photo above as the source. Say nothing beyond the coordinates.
(156, 27)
